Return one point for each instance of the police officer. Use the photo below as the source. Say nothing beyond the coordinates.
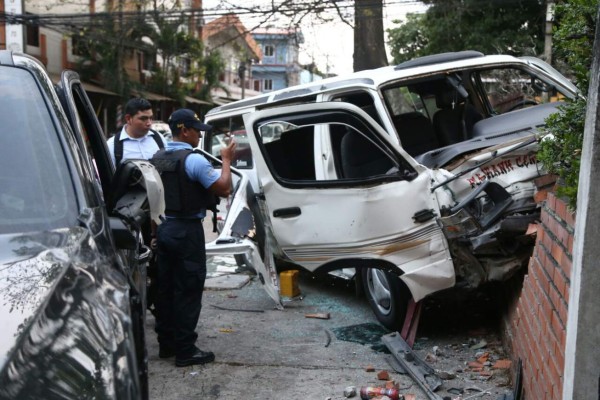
(190, 184)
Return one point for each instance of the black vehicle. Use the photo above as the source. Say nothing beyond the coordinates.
(72, 265)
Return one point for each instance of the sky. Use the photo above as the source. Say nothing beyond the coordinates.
(328, 44)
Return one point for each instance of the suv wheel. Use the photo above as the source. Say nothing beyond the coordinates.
(387, 295)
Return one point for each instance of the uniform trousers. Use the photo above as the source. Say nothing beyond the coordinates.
(180, 283)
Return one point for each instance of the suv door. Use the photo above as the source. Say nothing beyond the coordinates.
(116, 188)
(339, 194)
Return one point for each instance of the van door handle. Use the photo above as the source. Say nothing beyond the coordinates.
(287, 212)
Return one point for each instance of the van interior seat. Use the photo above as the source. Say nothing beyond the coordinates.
(361, 158)
(454, 120)
(416, 133)
(292, 156)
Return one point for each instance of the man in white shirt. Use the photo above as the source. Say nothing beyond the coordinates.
(135, 140)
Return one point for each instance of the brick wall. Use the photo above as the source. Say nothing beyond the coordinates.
(534, 327)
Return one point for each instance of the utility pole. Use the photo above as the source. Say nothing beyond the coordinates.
(548, 40)
(242, 76)
(548, 31)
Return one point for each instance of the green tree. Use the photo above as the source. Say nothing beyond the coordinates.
(497, 26)
(103, 46)
(409, 40)
(573, 43)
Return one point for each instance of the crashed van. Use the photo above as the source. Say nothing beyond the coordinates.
(416, 178)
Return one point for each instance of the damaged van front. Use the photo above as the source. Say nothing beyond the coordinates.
(336, 192)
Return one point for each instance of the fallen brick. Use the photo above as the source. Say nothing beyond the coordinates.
(483, 358)
(474, 364)
(502, 364)
(370, 368)
(383, 375)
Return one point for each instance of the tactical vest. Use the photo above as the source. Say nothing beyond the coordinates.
(183, 197)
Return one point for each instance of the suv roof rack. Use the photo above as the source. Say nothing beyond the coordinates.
(439, 58)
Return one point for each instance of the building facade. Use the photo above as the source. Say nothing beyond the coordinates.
(279, 67)
(238, 50)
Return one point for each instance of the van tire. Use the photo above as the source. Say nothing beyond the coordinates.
(388, 297)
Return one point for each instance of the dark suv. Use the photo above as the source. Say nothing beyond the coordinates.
(72, 266)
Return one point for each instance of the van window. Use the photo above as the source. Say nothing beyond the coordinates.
(346, 153)
(510, 89)
(217, 138)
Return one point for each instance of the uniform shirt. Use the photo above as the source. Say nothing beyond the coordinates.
(197, 168)
(143, 147)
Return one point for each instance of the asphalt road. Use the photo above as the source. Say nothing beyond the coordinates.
(265, 353)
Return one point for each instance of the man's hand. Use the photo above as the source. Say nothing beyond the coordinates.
(228, 152)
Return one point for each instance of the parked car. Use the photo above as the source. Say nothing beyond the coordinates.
(163, 128)
(72, 268)
(418, 176)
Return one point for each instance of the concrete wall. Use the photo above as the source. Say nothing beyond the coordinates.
(535, 325)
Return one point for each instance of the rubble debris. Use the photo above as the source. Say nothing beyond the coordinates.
(350, 391)
(445, 375)
(328, 342)
(370, 368)
(317, 315)
(482, 343)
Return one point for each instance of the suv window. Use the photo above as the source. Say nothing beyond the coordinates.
(37, 192)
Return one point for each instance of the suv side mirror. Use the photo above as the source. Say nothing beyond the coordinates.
(124, 238)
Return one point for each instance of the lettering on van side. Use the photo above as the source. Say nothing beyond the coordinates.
(501, 168)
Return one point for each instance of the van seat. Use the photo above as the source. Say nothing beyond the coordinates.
(416, 133)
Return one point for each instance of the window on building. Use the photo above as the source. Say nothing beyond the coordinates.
(185, 65)
(269, 50)
(149, 61)
(33, 34)
(257, 85)
(268, 84)
(78, 45)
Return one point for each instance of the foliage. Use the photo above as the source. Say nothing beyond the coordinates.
(106, 46)
(497, 26)
(102, 48)
(573, 44)
(409, 40)
(209, 70)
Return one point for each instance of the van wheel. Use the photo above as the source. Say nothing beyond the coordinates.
(388, 297)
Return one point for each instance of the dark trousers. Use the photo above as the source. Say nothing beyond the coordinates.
(180, 282)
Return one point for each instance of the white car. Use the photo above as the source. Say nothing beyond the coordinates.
(419, 176)
(163, 128)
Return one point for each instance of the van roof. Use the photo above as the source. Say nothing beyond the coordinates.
(373, 78)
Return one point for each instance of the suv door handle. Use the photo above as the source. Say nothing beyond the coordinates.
(287, 212)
